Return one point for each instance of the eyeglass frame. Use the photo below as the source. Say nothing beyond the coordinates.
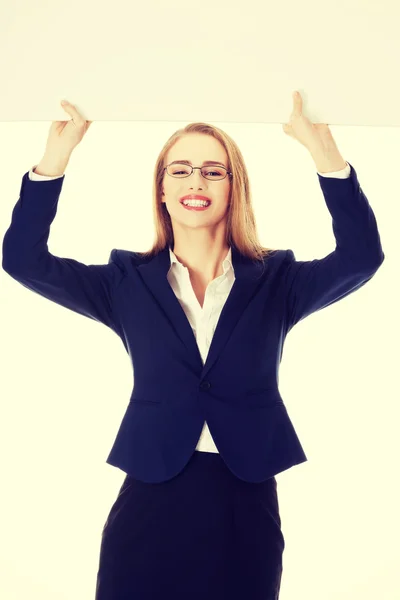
(193, 168)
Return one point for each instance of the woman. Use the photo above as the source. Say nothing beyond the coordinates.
(203, 316)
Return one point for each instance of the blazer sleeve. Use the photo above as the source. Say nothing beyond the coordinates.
(313, 285)
(84, 289)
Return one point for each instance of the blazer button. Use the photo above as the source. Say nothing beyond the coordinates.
(205, 385)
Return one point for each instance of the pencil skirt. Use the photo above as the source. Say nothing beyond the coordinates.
(204, 534)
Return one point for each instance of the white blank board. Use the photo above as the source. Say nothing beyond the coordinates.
(208, 61)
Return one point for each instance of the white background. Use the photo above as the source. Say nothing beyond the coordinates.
(65, 381)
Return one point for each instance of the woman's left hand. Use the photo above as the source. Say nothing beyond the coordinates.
(314, 136)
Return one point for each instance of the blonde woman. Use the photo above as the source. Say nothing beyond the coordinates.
(203, 316)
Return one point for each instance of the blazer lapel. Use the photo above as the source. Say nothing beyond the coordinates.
(248, 276)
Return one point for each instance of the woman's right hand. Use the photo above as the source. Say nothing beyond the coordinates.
(64, 136)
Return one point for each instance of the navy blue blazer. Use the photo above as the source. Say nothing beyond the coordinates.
(236, 390)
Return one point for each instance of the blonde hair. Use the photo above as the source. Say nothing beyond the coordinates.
(241, 225)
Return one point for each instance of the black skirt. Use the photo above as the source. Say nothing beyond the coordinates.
(204, 534)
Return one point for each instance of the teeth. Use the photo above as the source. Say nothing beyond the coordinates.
(196, 203)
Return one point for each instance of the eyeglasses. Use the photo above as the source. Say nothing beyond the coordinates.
(181, 170)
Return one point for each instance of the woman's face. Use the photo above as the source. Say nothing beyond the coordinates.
(196, 148)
